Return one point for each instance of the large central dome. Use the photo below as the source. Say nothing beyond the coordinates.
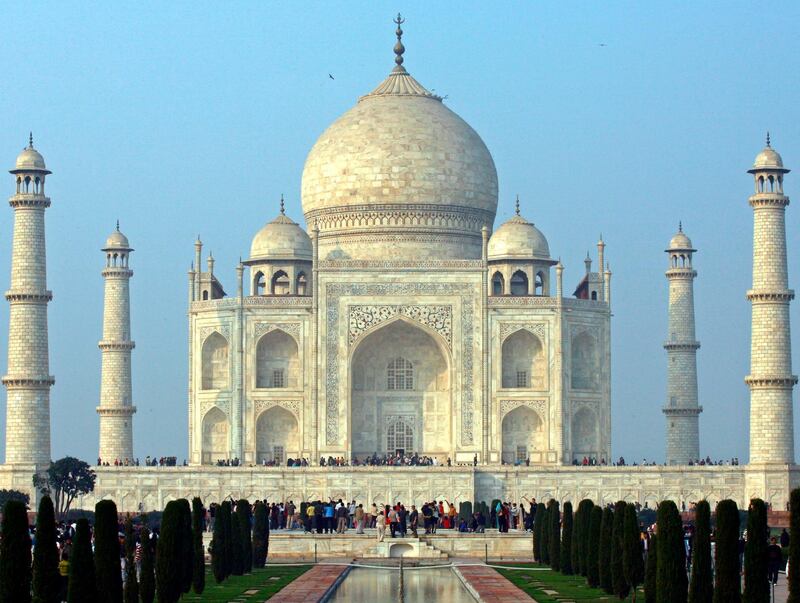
(399, 176)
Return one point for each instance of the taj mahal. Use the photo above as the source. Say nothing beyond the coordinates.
(400, 318)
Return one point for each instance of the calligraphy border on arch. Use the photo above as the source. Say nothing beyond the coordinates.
(334, 291)
(293, 406)
(540, 406)
(362, 318)
(292, 328)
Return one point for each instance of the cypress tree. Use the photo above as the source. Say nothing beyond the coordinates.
(243, 510)
(671, 581)
(727, 579)
(228, 539)
(538, 520)
(650, 576)
(632, 561)
(555, 536)
(577, 525)
(593, 547)
(794, 547)
(546, 531)
(218, 561)
(15, 554)
(169, 565)
(260, 535)
(147, 578)
(585, 534)
(701, 585)
(604, 560)
(81, 587)
(131, 586)
(46, 579)
(756, 581)
(199, 569)
(236, 546)
(619, 585)
(186, 543)
(107, 569)
(566, 540)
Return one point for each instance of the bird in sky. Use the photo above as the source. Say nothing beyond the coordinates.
(330, 76)
(601, 44)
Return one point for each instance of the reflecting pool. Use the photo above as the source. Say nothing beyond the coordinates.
(383, 585)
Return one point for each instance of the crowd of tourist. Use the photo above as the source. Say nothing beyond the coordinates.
(162, 461)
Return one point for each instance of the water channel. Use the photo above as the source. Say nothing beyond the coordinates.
(382, 585)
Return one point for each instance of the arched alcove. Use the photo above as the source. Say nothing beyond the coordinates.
(277, 436)
(215, 436)
(523, 434)
(277, 361)
(523, 363)
(519, 283)
(585, 362)
(214, 366)
(584, 433)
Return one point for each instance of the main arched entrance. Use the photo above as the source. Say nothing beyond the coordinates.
(400, 393)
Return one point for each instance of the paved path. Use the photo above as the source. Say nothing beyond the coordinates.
(491, 586)
(310, 586)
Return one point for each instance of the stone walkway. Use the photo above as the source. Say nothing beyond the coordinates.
(310, 587)
(491, 586)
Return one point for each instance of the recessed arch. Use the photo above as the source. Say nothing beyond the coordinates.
(214, 364)
(259, 283)
(585, 362)
(216, 443)
(301, 284)
(523, 363)
(523, 434)
(277, 436)
(585, 439)
(277, 360)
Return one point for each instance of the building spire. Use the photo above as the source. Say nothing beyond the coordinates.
(30, 140)
(517, 205)
(117, 225)
(399, 49)
(283, 209)
(680, 226)
(768, 144)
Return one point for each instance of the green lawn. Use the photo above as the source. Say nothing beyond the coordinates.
(265, 582)
(569, 588)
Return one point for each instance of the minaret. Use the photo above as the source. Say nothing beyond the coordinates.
(770, 379)
(116, 406)
(682, 410)
(28, 380)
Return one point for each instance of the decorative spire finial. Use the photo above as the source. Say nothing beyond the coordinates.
(399, 49)
(30, 140)
(517, 205)
(768, 139)
(117, 225)
(680, 226)
(283, 209)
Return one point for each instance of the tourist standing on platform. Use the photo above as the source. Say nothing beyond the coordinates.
(329, 513)
(414, 520)
(351, 511)
(372, 516)
(380, 524)
(341, 518)
(392, 515)
(358, 517)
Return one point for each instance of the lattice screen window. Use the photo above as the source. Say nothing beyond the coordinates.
(278, 378)
(399, 435)
(522, 379)
(279, 454)
(522, 453)
(400, 374)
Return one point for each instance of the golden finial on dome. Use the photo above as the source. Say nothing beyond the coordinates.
(283, 209)
(517, 205)
(30, 140)
(768, 139)
(399, 49)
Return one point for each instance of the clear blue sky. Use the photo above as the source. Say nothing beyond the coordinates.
(187, 118)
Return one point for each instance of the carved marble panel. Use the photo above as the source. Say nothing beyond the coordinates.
(292, 328)
(363, 318)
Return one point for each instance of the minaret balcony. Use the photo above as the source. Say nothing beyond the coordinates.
(17, 296)
(681, 346)
(771, 381)
(756, 295)
(116, 410)
(682, 412)
(116, 346)
(768, 200)
(30, 200)
(29, 382)
(681, 273)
